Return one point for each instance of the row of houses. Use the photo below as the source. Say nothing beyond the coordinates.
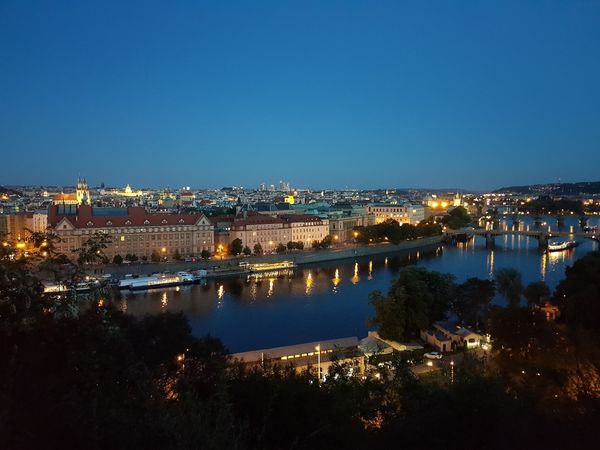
(135, 230)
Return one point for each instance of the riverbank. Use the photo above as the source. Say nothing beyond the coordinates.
(301, 258)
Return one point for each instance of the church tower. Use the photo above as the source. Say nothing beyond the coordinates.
(83, 192)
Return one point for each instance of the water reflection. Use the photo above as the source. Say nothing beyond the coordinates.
(355, 278)
(271, 284)
(330, 301)
(309, 283)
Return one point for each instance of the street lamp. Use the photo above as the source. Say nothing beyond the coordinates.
(318, 349)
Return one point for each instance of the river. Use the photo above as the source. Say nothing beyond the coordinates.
(331, 300)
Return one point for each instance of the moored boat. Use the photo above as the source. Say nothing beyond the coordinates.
(557, 246)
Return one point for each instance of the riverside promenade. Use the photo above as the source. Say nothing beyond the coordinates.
(349, 251)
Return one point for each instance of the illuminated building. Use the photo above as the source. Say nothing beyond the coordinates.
(128, 192)
(81, 196)
(132, 230)
(412, 214)
(270, 231)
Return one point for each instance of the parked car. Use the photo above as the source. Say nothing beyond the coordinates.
(433, 355)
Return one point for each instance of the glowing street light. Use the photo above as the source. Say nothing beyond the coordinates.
(318, 349)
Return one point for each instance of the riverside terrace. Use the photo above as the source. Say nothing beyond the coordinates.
(320, 355)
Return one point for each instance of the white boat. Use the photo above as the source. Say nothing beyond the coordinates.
(270, 267)
(557, 246)
(159, 281)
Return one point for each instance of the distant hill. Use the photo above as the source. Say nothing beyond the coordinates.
(585, 187)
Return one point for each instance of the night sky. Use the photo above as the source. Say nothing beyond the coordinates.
(325, 94)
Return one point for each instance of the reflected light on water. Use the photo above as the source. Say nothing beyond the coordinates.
(336, 278)
(220, 292)
(271, 283)
(490, 264)
(355, 279)
(164, 301)
(309, 283)
(543, 265)
(371, 270)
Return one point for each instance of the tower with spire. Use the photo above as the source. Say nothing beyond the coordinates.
(83, 192)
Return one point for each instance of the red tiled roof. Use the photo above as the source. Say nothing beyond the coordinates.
(136, 216)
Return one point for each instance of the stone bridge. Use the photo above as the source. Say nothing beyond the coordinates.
(540, 234)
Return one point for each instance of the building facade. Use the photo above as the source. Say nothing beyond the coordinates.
(341, 227)
(270, 231)
(412, 214)
(132, 230)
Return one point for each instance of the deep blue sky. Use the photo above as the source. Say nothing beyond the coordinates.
(473, 94)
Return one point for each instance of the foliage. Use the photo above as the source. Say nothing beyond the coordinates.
(103, 379)
(92, 250)
(457, 218)
(472, 299)
(117, 259)
(547, 205)
(536, 292)
(509, 284)
(579, 294)
(391, 231)
(155, 256)
(258, 250)
(247, 251)
(176, 255)
(416, 300)
(236, 247)
(280, 248)
(205, 254)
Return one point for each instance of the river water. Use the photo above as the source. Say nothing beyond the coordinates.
(331, 300)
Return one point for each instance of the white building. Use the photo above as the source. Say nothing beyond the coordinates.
(406, 213)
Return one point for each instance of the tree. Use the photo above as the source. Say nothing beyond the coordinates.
(118, 259)
(509, 284)
(535, 292)
(280, 248)
(176, 255)
(205, 254)
(134, 258)
(316, 244)
(258, 250)
(92, 250)
(472, 299)
(155, 256)
(457, 218)
(247, 251)
(300, 245)
(236, 247)
(291, 245)
(326, 242)
(579, 294)
(416, 300)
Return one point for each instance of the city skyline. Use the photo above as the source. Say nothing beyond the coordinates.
(475, 96)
